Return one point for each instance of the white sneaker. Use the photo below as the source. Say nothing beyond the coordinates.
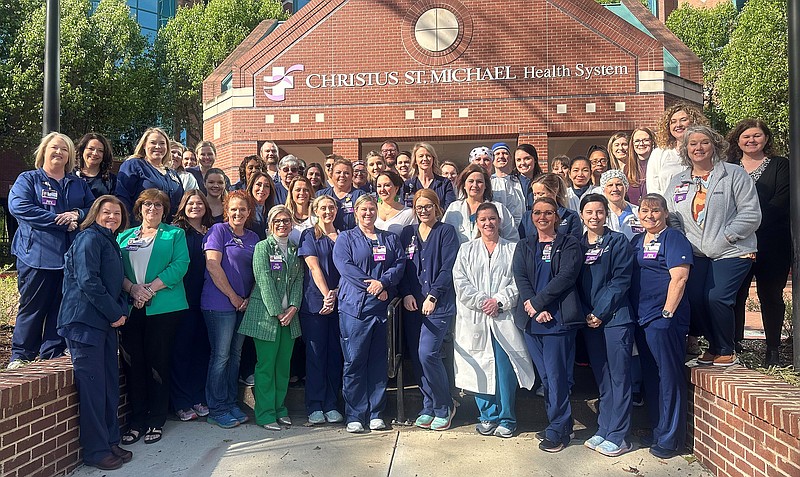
(355, 427)
(377, 424)
(17, 363)
(316, 417)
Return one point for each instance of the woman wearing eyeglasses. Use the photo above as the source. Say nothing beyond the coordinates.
(430, 303)
(553, 186)
(643, 146)
(289, 167)
(599, 159)
(329, 160)
(271, 318)
(344, 192)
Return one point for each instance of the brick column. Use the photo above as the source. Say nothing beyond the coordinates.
(350, 149)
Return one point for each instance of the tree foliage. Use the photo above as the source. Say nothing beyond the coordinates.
(755, 82)
(107, 75)
(192, 44)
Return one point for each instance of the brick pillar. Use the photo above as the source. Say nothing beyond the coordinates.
(665, 7)
(350, 149)
(539, 141)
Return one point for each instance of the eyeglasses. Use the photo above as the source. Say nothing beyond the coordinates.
(642, 141)
(155, 205)
(329, 166)
(546, 213)
(281, 221)
(388, 151)
(599, 161)
(359, 172)
(293, 170)
(423, 208)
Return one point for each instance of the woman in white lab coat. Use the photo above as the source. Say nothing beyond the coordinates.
(491, 359)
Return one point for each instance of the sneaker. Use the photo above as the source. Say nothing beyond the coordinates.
(486, 428)
(377, 424)
(637, 400)
(707, 358)
(693, 345)
(333, 416)
(248, 381)
(725, 360)
(186, 414)
(239, 415)
(355, 427)
(443, 423)
(16, 364)
(225, 421)
(272, 427)
(200, 409)
(609, 449)
(316, 417)
(542, 435)
(424, 421)
(504, 432)
(593, 442)
(550, 446)
(285, 420)
(662, 453)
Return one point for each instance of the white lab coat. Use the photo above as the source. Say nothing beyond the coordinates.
(457, 215)
(476, 277)
(661, 167)
(508, 191)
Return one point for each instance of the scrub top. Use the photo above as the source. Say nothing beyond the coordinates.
(543, 273)
(322, 248)
(345, 218)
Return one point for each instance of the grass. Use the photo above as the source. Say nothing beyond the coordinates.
(9, 297)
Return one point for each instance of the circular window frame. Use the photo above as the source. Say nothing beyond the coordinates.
(452, 52)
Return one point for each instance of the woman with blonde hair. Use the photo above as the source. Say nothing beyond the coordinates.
(671, 128)
(298, 202)
(427, 175)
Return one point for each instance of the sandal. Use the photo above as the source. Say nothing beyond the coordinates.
(131, 437)
(153, 435)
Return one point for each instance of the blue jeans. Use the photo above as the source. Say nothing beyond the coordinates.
(222, 386)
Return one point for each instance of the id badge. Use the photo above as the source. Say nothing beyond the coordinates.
(547, 252)
(49, 197)
(134, 244)
(637, 228)
(410, 251)
(592, 255)
(680, 192)
(651, 251)
(379, 253)
(348, 205)
(276, 262)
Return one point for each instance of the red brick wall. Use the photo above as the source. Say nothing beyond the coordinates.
(39, 420)
(745, 423)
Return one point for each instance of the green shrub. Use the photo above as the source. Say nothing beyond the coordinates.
(9, 297)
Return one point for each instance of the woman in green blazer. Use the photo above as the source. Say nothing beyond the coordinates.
(270, 317)
(155, 258)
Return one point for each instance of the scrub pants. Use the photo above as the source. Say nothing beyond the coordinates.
(662, 349)
(424, 337)
(712, 289)
(323, 360)
(609, 349)
(364, 348)
(500, 406)
(272, 376)
(39, 301)
(96, 369)
(190, 355)
(553, 355)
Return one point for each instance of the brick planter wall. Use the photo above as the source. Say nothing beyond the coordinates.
(39, 420)
(744, 423)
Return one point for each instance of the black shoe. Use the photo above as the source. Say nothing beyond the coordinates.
(118, 451)
(109, 462)
(662, 453)
(646, 441)
(637, 400)
(772, 358)
(542, 435)
(738, 347)
(550, 446)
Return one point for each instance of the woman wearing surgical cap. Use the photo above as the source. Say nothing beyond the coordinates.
(482, 156)
(623, 216)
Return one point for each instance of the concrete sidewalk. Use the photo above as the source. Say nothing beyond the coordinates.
(198, 449)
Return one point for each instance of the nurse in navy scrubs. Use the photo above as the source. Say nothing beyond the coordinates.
(344, 192)
(552, 186)
(430, 307)
(663, 259)
(603, 285)
(319, 314)
(371, 263)
(546, 268)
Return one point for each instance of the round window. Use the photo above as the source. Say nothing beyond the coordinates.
(436, 29)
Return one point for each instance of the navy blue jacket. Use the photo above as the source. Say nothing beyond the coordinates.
(353, 257)
(571, 224)
(280, 194)
(345, 220)
(561, 288)
(93, 275)
(98, 186)
(39, 242)
(441, 185)
(604, 284)
(136, 175)
(195, 275)
(429, 270)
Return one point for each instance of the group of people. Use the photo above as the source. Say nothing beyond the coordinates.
(504, 272)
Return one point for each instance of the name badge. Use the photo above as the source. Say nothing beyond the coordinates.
(379, 253)
(276, 262)
(651, 251)
(563, 223)
(348, 205)
(410, 251)
(547, 252)
(592, 255)
(134, 244)
(680, 192)
(637, 228)
(49, 197)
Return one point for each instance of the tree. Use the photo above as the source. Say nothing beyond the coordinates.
(192, 44)
(706, 32)
(107, 76)
(755, 82)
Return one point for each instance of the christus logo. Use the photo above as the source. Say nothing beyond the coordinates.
(282, 79)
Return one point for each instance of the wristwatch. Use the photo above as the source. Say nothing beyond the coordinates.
(432, 298)
(666, 314)
(499, 307)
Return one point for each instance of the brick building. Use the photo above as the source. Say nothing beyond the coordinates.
(343, 75)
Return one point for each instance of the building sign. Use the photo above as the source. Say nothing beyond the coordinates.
(280, 80)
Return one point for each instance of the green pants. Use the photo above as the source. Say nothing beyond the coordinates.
(272, 376)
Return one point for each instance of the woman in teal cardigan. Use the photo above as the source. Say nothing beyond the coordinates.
(271, 317)
(155, 259)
